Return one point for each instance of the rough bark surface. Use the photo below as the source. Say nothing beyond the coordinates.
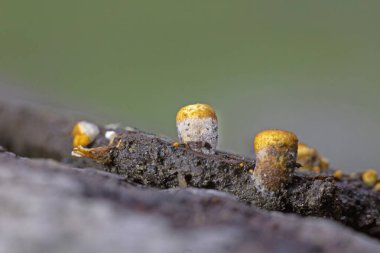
(52, 207)
(153, 161)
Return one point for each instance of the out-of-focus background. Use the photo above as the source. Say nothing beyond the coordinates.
(312, 67)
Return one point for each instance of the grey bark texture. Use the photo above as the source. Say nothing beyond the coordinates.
(219, 221)
(51, 207)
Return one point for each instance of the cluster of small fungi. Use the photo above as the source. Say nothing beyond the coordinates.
(277, 151)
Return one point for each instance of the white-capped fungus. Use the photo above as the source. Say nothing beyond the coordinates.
(84, 133)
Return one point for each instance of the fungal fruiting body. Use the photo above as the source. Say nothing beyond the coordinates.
(276, 154)
(110, 135)
(338, 174)
(310, 159)
(197, 126)
(175, 144)
(369, 177)
(84, 133)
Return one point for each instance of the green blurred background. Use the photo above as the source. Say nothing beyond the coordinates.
(312, 67)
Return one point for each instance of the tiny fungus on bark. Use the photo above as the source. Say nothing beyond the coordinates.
(369, 177)
(276, 154)
(110, 135)
(197, 126)
(310, 159)
(175, 144)
(338, 174)
(84, 133)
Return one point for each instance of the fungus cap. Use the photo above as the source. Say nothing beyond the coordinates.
(338, 174)
(310, 159)
(324, 163)
(275, 137)
(305, 150)
(195, 111)
(377, 187)
(369, 177)
(84, 133)
(110, 135)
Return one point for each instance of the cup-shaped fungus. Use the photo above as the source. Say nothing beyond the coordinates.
(197, 127)
(84, 133)
(276, 154)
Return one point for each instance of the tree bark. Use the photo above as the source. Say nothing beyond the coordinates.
(52, 207)
(150, 160)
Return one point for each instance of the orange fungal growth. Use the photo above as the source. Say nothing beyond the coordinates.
(197, 126)
(276, 153)
(175, 144)
(310, 159)
(84, 133)
(324, 163)
(338, 174)
(99, 154)
(369, 177)
(377, 187)
(305, 150)
(275, 138)
(199, 111)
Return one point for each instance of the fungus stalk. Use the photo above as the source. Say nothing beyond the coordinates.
(197, 127)
(276, 154)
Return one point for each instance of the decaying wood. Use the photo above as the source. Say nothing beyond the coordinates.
(51, 207)
(150, 160)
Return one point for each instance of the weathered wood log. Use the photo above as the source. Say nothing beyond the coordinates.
(52, 207)
(35, 132)
(150, 160)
